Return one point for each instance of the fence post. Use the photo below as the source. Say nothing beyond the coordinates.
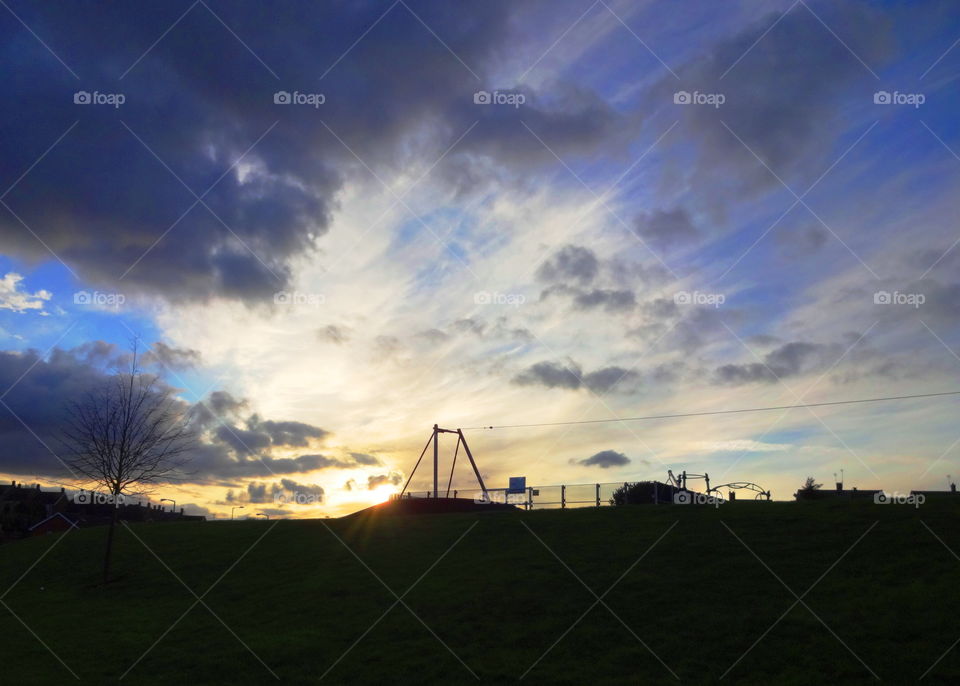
(563, 497)
(598, 495)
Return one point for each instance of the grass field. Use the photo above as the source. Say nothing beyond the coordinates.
(295, 595)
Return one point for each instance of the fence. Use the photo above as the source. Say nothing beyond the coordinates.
(549, 497)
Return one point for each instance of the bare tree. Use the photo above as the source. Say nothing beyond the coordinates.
(126, 434)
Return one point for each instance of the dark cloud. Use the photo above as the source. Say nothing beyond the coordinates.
(334, 334)
(570, 263)
(469, 325)
(790, 359)
(203, 111)
(666, 229)
(169, 357)
(503, 329)
(607, 379)
(365, 459)
(570, 376)
(222, 403)
(262, 434)
(228, 446)
(610, 300)
(393, 478)
(551, 375)
(294, 434)
(284, 492)
(783, 96)
(604, 459)
(243, 442)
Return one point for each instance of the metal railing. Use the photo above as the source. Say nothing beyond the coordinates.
(559, 496)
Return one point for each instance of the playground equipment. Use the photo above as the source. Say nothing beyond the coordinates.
(680, 481)
(434, 438)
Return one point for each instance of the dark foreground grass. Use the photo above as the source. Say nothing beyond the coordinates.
(291, 595)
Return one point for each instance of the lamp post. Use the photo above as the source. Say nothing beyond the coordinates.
(169, 500)
(236, 507)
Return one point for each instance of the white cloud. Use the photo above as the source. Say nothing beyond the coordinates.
(17, 300)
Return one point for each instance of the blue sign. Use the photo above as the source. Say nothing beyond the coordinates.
(518, 484)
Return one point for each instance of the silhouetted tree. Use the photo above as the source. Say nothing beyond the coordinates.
(810, 490)
(124, 435)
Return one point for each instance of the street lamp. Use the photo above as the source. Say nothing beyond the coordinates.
(168, 500)
(236, 507)
(260, 514)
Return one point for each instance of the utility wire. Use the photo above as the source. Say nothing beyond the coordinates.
(713, 412)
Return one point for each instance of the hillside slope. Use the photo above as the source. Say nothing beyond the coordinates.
(297, 594)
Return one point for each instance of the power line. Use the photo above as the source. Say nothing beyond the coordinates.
(713, 412)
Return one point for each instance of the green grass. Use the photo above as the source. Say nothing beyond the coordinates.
(499, 599)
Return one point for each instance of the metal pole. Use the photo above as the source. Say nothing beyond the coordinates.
(422, 453)
(563, 497)
(598, 495)
(472, 463)
(452, 467)
(436, 492)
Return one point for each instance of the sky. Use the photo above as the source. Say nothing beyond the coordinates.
(328, 226)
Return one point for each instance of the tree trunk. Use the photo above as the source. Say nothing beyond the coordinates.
(109, 550)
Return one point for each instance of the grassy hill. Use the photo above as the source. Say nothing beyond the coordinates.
(298, 598)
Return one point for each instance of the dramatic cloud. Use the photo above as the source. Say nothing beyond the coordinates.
(393, 478)
(283, 493)
(570, 263)
(41, 391)
(551, 375)
(571, 376)
(604, 459)
(781, 96)
(168, 357)
(365, 459)
(790, 359)
(296, 434)
(666, 229)
(214, 187)
(610, 300)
